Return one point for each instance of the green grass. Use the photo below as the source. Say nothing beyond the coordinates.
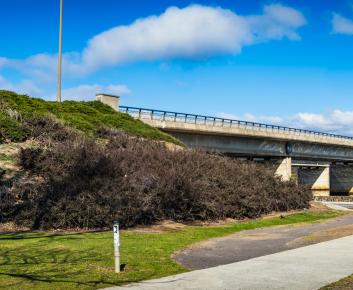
(84, 260)
(8, 158)
(343, 284)
(84, 116)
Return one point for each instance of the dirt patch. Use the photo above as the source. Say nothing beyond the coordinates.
(318, 207)
(260, 236)
(322, 236)
(164, 226)
(314, 207)
(8, 158)
(12, 228)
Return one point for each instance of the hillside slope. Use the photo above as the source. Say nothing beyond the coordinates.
(84, 116)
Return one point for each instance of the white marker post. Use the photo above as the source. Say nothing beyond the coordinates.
(116, 247)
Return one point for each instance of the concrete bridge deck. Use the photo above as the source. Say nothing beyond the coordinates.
(182, 122)
(242, 138)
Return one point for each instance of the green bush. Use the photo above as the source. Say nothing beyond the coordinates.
(10, 129)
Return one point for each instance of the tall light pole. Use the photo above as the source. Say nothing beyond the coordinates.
(58, 98)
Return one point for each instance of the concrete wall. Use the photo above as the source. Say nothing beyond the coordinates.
(110, 100)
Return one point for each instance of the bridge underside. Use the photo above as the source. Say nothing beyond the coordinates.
(259, 147)
(327, 169)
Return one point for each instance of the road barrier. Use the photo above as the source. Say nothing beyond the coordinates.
(168, 116)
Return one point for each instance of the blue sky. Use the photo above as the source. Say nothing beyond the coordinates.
(287, 62)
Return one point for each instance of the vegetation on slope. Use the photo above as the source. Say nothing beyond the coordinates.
(76, 180)
(81, 183)
(85, 116)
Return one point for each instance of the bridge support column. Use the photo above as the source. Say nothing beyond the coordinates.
(284, 169)
(342, 179)
(317, 178)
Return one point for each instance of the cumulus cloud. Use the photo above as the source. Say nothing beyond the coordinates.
(276, 22)
(190, 32)
(193, 32)
(3, 61)
(22, 87)
(5, 84)
(43, 66)
(342, 25)
(88, 92)
(336, 121)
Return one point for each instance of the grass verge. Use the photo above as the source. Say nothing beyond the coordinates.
(343, 284)
(84, 260)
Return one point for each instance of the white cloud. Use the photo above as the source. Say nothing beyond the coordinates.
(3, 61)
(5, 84)
(194, 32)
(88, 92)
(263, 119)
(22, 87)
(252, 118)
(227, 116)
(43, 66)
(191, 32)
(277, 21)
(336, 121)
(342, 25)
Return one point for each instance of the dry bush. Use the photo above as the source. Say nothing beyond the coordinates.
(88, 184)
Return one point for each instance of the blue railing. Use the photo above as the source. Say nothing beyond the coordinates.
(141, 113)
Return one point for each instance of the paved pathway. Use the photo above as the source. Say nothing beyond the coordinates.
(259, 242)
(309, 267)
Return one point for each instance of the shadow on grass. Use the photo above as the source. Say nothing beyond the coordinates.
(54, 279)
(35, 264)
(27, 235)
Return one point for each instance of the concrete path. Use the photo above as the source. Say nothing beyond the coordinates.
(309, 267)
(260, 242)
(339, 205)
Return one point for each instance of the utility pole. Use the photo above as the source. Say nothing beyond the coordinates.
(58, 98)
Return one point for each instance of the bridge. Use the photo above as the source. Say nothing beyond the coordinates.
(322, 160)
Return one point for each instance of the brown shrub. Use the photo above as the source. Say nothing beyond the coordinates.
(89, 184)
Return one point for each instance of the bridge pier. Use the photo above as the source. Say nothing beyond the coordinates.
(342, 179)
(284, 169)
(317, 178)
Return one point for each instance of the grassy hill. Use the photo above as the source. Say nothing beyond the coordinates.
(84, 116)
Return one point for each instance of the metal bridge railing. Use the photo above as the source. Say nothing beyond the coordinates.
(141, 113)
